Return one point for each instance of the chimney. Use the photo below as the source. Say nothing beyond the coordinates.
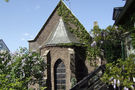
(95, 23)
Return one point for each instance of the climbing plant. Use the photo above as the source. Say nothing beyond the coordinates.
(75, 27)
(107, 40)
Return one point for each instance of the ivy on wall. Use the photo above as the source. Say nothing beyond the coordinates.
(112, 42)
(75, 27)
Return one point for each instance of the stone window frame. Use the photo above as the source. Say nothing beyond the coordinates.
(59, 75)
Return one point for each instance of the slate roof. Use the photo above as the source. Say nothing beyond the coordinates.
(127, 7)
(60, 35)
(3, 46)
(44, 37)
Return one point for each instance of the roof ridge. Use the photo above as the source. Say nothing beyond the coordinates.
(46, 22)
(60, 35)
(61, 1)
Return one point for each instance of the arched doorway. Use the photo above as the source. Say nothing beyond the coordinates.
(60, 75)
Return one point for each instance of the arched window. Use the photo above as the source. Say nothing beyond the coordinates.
(60, 75)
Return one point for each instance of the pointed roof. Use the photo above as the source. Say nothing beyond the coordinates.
(3, 46)
(60, 35)
(76, 30)
(55, 9)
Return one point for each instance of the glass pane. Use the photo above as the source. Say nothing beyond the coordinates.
(58, 87)
(58, 82)
(63, 81)
(60, 71)
(60, 75)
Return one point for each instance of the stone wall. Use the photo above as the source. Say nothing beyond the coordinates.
(55, 54)
(45, 32)
(74, 60)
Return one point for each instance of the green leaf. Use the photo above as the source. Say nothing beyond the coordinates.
(6, 0)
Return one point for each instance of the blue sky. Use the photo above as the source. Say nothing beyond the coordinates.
(21, 20)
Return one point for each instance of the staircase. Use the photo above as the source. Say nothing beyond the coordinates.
(92, 81)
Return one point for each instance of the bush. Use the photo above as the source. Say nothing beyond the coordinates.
(18, 69)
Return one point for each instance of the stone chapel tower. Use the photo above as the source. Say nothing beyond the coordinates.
(62, 50)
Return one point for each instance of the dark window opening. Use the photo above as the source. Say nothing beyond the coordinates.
(60, 75)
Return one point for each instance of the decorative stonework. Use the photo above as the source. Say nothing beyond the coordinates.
(51, 42)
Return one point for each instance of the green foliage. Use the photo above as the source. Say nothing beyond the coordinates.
(7, 79)
(107, 43)
(75, 27)
(30, 62)
(111, 41)
(6, 0)
(133, 39)
(69, 44)
(129, 26)
(73, 82)
(122, 71)
(19, 69)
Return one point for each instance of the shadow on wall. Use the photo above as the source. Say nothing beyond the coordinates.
(48, 83)
(81, 69)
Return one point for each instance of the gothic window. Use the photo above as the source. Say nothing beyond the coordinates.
(60, 75)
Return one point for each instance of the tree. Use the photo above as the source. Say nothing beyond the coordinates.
(7, 79)
(106, 43)
(121, 73)
(18, 70)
